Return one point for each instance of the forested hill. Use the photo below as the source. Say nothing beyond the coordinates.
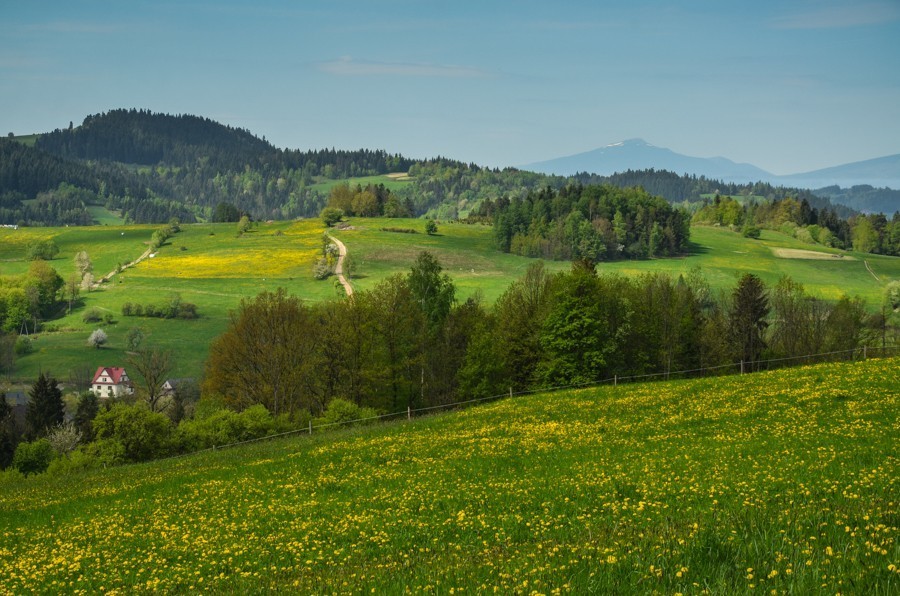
(142, 137)
(153, 167)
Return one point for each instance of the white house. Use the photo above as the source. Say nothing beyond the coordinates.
(111, 381)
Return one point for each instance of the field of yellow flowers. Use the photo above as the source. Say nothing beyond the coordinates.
(779, 482)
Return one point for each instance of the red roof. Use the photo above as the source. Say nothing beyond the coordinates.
(113, 372)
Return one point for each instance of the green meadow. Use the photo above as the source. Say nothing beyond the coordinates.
(391, 182)
(782, 482)
(210, 266)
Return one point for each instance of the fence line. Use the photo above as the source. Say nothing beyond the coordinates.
(615, 380)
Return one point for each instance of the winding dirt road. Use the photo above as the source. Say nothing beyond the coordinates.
(339, 268)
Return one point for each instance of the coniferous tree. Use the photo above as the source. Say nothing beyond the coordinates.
(8, 435)
(749, 309)
(45, 407)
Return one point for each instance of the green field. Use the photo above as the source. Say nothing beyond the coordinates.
(779, 482)
(207, 264)
(104, 216)
(391, 182)
(469, 256)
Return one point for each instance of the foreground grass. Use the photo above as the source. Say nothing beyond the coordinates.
(786, 481)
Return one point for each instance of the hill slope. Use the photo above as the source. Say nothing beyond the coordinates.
(782, 481)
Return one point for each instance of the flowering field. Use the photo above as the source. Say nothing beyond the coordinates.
(784, 482)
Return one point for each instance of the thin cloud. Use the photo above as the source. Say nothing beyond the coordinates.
(835, 17)
(347, 66)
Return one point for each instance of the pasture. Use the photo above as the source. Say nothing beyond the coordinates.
(210, 266)
(777, 482)
(392, 182)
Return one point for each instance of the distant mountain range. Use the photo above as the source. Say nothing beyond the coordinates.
(637, 154)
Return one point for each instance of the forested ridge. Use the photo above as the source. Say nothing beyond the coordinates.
(153, 167)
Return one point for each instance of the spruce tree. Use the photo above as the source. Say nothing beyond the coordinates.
(45, 409)
(749, 309)
(7, 433)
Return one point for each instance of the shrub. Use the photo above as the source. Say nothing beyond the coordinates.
(92, 315)
(64, 438)
(430, 227)
(226, 426)
(331, 215)
(143, 434)
(751, 232)
(321, 269)
(34, 457)
(41, 250)
(107, 452)
(11, 477)
(23, 345)
(400, 230)
(78, 460)
(342, 411)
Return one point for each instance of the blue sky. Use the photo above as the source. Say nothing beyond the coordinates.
(788, 86)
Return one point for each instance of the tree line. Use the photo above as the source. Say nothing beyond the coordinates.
(596, 222)
(873, 233)
(409, 343)
(283, 364)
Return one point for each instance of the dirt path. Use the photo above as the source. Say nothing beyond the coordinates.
(870, 271)
(339, 268)
(112, 274)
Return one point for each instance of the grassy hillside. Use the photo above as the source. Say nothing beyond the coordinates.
(470, 257)
(207, 264)
(783, 481)
(392, 182)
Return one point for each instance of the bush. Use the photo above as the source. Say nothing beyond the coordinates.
(41, 250)
(342, 411)
(331, 215)
(321, 269)
(226, 426)
(75, 462)
(92, 315)
(10, 477)
(64, 438)
(23, 345)
(34, 457)
(144, 435)
(400, 230)
(104, 452)
(430, 227)
(751, 232)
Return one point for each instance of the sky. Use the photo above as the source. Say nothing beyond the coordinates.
(789, 86)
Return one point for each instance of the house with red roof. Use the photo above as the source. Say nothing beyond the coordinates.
(111, 381)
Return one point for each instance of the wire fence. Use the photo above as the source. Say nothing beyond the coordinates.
(735, 368)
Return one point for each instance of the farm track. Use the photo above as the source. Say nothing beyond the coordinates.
(339, 268)
(870, 271)
(113, 273)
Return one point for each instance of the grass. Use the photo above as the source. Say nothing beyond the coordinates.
(390, 181)
(468, 254)
(208, 265)
(215, 270)
(27, 140)
(104, 217)
(783, 481)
